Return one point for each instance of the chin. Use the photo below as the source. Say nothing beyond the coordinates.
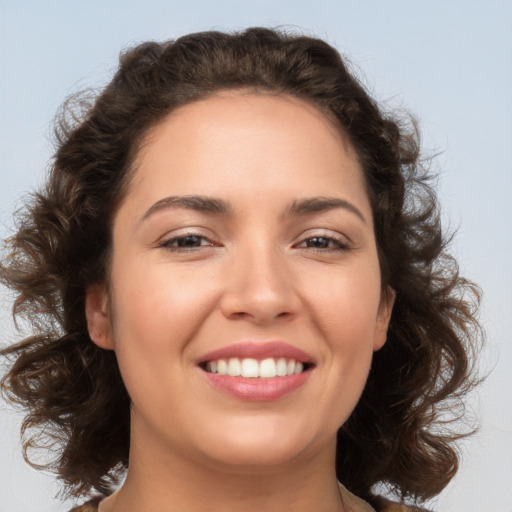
(260, 444)
(254, 457)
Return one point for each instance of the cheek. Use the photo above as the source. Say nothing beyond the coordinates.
(154, 305)
(344, 311)
(345, 304)
(155, 314)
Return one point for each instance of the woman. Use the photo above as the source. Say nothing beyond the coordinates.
(239, 289)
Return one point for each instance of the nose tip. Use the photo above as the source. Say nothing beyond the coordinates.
(258, 311)
(260, 290)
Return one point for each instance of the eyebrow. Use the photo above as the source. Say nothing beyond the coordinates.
(198, 203)
(322, 204)
(219, 207)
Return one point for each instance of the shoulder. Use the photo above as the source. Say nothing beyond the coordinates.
(382, 505)
(385, 505)
(90, 506)
(375, 504)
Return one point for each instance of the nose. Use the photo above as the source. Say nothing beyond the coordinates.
(260, 287)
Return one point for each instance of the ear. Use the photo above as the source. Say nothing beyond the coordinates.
(387, 300)
(96, 312)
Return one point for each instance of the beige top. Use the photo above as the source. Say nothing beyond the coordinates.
(354, 503)
(351, 501)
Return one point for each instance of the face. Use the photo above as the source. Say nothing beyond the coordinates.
(245, 244)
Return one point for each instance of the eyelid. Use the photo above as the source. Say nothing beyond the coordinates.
(343, 242)
(185, 232)
(324, 232)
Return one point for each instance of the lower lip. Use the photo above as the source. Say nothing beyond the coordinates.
(257, 390)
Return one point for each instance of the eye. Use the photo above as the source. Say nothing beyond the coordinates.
(186, 242)
(324, 243)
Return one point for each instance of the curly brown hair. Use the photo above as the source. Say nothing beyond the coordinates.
(72, 389)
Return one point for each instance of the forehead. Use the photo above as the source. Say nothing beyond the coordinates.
(233, 105)
(248, 142)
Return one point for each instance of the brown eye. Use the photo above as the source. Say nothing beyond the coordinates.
(189, 241)
(323, 243)
(319, 242)
(186, 242)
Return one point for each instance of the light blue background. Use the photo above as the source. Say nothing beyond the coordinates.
(449, 62)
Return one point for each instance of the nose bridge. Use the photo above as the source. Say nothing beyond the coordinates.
(260, 285)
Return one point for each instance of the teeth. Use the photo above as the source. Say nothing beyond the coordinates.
(222, 367)
(281, 367)
(268, 369)
(234, 367)
(252, 368)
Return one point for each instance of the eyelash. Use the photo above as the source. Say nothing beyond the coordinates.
(334, 244)
(337, 244)
(168, 244)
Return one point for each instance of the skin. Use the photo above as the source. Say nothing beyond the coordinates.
(257, 272)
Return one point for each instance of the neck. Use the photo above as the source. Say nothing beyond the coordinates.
(167, 481)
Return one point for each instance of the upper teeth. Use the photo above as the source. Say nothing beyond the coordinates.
(248, 367)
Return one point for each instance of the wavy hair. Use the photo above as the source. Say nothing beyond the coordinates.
(399, 434)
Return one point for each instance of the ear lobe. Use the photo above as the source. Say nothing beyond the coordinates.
(387, 300)
(96, 312)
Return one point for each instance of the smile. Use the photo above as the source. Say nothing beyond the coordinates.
(253, 369)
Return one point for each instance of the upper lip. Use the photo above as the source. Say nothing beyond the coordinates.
(258, 350)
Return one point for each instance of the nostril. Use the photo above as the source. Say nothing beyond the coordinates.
(240, 314)
(258, 302)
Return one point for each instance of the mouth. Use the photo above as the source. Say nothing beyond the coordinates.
(251, 368)
(257, 371)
